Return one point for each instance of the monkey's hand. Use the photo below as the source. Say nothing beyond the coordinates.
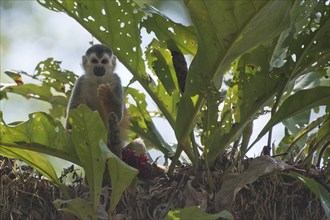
(103, 91)
(109, 101)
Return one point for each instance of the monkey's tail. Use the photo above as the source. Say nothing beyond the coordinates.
(114, 135)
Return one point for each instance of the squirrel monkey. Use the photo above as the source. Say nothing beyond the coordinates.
(100, 89)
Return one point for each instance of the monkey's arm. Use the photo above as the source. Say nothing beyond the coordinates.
(75, 99)
(112, 97)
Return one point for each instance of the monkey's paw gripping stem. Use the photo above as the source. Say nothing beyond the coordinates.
(114, 142)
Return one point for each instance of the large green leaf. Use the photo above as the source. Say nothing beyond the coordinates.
(225, 30)
(115, 23)
(121, 175)
(88, 134)
(41, 133)
(118, 25)
(310, 45)
(35, 160)
(165, 29)
(298, 102)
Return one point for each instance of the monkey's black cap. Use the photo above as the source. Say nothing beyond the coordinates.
(99, 50)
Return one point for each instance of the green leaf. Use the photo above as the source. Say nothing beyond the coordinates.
(307, 129)
(111, 22)
(310, 45)
(141, 121)
(41, 133)
(35, 160)
(165, 29)
(160, 62)
(88, 135)
(298, 102)
(194, 212)
(51, 77)
(118, 25)
(121, 175)
(50, 73)
(251, 89)
(222, 37)
(296, 123)
(78, 207)
(319, 191)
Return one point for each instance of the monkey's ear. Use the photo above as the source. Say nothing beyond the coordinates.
(84, 60)
(114, 60)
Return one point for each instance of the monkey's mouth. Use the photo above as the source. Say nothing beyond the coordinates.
(99, 71)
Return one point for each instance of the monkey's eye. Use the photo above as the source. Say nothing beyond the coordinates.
(105, 61)
(95, 61)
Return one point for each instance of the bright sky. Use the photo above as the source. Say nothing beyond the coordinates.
(31, 33)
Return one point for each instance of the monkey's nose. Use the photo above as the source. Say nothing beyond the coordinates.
(99, 71)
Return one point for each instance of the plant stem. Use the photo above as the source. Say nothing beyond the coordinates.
(174, 161)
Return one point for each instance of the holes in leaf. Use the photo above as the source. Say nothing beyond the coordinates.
(90, 18)
(118, 2)
(122, 25)
(102, 28)
(118, 48)
(171, 29)
(103, 11)
(293, 57)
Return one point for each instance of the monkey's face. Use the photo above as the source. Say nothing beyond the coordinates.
(99, 65)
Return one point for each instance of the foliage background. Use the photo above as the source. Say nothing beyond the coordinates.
(249, 89)
(26, 39)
